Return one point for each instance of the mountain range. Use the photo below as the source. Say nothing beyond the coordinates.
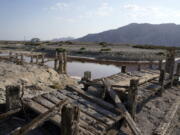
(152, 34)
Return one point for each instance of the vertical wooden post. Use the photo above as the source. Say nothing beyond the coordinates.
(87, 76)
(60, 67)
(37, 59)
(42, 59)
(177, 75)
(65, 62)
(161, 81)
(123, 69)
(12, 97)
(139, 67)
(170, 61)
(31, 61)
(151, 64)
(10, 54)
(70, 120)
(160, 64)
(16, 57)
(22, 58)
(132, 97)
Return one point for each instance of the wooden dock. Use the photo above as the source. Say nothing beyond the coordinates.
(96, 115)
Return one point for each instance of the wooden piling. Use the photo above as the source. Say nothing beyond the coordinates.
(70, 120)
(42, 59)
(177, 75)
(60, 67)
(151, 64)
(161, 81)
(22, 58)
(12, 97)
(123, 69)
(170, 61)
(64, 62)
(87, 76)
(160, 64)
(132, 97)
(31, 61)
(37, 59)
(139, 67)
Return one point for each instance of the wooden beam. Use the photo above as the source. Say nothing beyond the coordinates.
(122, 108)
(9, 113)
(38, 120)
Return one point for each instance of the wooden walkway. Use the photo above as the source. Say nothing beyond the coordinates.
(96, 115)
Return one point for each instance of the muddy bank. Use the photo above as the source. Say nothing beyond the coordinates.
(37, 79)
(155, 108)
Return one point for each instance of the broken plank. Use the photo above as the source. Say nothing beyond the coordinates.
(92, 112)
(87, 111)
(123, 109)
(90, 104)
(96, 100)
(38, 120)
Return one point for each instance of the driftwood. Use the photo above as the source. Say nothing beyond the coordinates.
(122, 109)
(165, 124)
(38, 120)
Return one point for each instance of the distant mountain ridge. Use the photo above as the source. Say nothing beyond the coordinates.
(63, 39)
(153, 34)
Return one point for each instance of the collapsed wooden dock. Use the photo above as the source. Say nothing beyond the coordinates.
(93, 114)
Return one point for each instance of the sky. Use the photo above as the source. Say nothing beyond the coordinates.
(49, 19)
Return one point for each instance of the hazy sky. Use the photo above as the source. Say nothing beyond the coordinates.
(48, 19)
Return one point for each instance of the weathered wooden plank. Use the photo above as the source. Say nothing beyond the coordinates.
(51, 98)
(91, 98)
(38, 120)
(92, 112)
(88, 111)
(164, 125)
(90, 104)
(43, 101)
(57, 118)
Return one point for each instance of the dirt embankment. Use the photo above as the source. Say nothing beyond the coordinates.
(37, 79)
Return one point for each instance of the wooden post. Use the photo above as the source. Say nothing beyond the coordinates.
(60, 67)
(123, 69)
(12, 97)
(151, 64)
(37, 59)
(170, 61)
(65, 62)
(132, 97)
(70, 120)
(161, 81)
(160, 64)
(139, 67)
(22, 58)
(10, 54)
(177, 75)
(55, 64)
(31, 59)
(42, 59)
(87, 76)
